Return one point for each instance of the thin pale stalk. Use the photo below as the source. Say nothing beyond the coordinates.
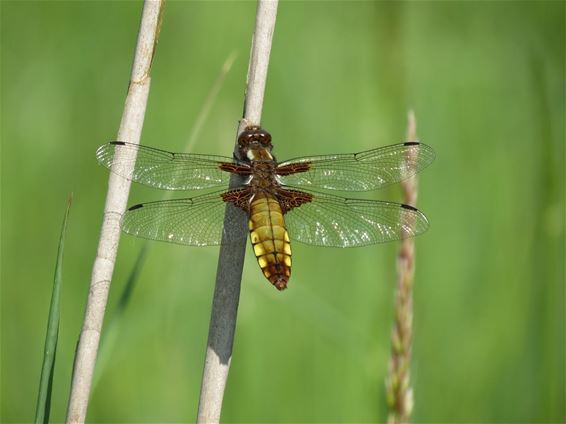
(398, 384)
(231, 259)
(116, 199)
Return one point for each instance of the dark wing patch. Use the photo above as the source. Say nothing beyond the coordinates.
(239, 197)
(289, 199)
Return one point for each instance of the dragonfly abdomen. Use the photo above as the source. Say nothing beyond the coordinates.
(270, 239)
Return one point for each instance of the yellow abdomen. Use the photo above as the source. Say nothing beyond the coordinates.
(270, 239)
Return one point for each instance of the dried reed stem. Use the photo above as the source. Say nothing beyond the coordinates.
(231, 259)
(398, 384)
(116, 199)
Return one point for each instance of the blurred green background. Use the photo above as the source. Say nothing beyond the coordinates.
(486, 81)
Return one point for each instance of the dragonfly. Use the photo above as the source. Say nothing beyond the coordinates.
(283, 201)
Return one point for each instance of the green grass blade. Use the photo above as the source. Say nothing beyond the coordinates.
(110, 335)
(46, 381)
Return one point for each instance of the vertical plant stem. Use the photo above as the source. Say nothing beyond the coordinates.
(116, 199)
(231, 259)
(398, 384)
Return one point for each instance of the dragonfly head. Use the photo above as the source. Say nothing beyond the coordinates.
(254, 143)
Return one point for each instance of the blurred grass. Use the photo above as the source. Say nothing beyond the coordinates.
(486, 80)
(115, 327)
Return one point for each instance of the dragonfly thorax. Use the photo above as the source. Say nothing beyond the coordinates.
(263, 175)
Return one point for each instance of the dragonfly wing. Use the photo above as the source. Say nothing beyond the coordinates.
(162, 169)
(333, 221)
(197, 221)
(362, 171)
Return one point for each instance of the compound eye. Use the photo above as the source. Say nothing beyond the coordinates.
(264, 138)
(245, 138)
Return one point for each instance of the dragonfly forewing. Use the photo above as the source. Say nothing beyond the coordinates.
(161, 169)
(369, 170)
